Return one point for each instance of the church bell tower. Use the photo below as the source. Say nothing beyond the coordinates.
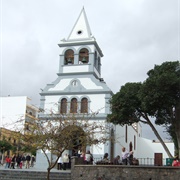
(79, 88)
(80, 53)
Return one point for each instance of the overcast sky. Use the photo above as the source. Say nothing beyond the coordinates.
(133, 35)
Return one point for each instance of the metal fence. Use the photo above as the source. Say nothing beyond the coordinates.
(156, 161)
(145, 161)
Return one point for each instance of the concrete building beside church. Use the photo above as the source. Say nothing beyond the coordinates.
(16, 115)
(16, 112)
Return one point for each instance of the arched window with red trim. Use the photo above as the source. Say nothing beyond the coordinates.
(73, 108)
(63, 108)
(84, 105)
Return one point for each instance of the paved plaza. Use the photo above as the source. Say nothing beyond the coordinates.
(34, 168)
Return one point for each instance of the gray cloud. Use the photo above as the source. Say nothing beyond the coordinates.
(133, 35)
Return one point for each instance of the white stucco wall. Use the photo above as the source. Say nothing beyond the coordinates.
(61, 85)
(85, 82)
(144, 149)
(97, 103)
(12, 109)
(41, 160)
(147, 148)
(89, 84)
(99, 149)
(121, 141)
(71, 69)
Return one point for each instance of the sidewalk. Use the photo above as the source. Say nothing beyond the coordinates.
(34, 168)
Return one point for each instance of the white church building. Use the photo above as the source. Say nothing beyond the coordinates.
(79, 88)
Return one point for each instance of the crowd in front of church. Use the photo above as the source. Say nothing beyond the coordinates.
(64, 162)
(19, 161)
(125, 159)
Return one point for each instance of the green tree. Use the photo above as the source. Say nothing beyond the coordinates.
(29, 148)
(157, 97)
(5, 146)
(126, 107)
(161, 97)
(171, 132)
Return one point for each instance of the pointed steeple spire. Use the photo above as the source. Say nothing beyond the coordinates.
(81, 29)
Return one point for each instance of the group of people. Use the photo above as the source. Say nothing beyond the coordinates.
(19, 161)
(127, 158)
(87, 157)
(64, 162)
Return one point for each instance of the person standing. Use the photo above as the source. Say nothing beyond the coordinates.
(83, 155)
(23, 160)
(28, 158)
(125, 155)
(130, 158)
(79, 153)
(8, 161)
(13, 161)
(18, 160)
(32, 160)
(176, 162)
(88, 157)
(69, 164)
(65, 161)
(60, 163)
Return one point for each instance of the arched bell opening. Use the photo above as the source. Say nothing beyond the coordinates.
(69, 57)
(83, 56)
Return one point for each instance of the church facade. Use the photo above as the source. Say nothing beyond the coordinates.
(79, 88)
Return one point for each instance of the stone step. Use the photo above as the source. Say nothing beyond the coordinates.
(33, 175)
